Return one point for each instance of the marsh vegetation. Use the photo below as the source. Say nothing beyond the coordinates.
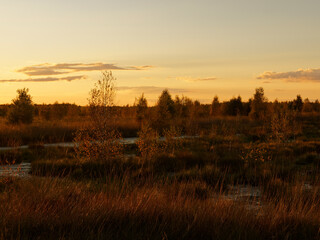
(242, 170)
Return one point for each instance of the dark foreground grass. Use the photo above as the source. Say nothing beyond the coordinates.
(198, 159)
(48, 208)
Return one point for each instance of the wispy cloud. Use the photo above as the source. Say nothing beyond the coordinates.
(190, 79)
(65, 68)
(301, 75)
(204, 79)
(48, 79)
(152, 89)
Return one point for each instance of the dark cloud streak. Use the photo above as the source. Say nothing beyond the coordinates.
(65, 68)
(301, 75)
(48, 79)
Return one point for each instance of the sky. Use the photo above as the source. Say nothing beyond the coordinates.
(194, 48)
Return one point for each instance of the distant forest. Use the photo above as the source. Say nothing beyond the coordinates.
(179, 107)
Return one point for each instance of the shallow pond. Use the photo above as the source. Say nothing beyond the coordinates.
(125, 141)
(15, 170)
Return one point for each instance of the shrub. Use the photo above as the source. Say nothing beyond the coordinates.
(148, 144)
(22, 109)
(165, 110)
(173, 140)
(142, 107)
(100, 141)
(259, 107)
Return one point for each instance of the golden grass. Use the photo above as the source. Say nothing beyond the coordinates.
(62, 209)
(192, 206)
(54, 131)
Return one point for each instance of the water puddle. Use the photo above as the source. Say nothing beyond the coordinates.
(241, 192)
(15, 170)
(125, 141)
(13, 148)
(247, 195)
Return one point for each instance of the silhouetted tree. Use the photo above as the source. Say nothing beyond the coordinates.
(297, 104)
(234, 107)
(22, 109)
(196, 110)
(215, 108)
(182, 107)
(3, 110)
(307, 106)
(142, 107)
(316, 106)
(247, 107)
(259, 107)
(165, 109)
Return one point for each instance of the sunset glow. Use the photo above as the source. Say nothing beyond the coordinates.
(199, 49)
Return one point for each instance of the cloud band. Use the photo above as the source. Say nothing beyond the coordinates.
(48, 79)
(301, 75)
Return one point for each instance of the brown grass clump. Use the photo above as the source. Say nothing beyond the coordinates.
(148, 144)
(63, 209)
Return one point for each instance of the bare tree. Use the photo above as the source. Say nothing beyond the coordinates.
(100, 140)
(101, 100)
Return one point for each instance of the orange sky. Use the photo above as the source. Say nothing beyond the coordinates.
(199, 49)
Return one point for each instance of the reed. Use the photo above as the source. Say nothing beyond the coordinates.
(54, 208)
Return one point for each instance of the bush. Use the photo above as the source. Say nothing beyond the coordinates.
(22, 109)
(100, 141)
(148, 144)
(259, 107)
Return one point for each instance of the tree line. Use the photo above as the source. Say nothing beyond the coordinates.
(168, 109)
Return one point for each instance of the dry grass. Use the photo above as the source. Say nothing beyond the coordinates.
(49, 208)
(179, 195)
(38, 131)
(54, 131)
